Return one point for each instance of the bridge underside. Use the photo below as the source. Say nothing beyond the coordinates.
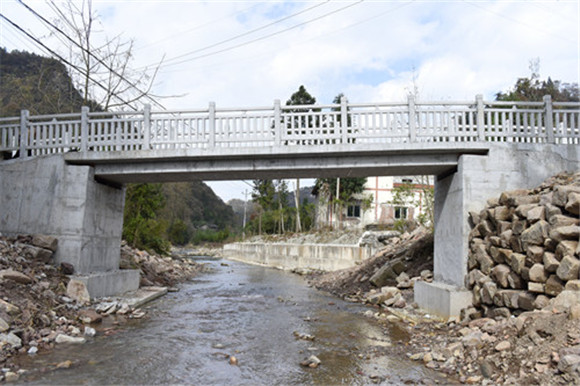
(273, 163)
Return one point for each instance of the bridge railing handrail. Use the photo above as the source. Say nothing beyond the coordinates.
(293, 125)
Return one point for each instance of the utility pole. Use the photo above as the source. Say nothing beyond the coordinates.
(297, 200)
(338, 212)
(245, 207)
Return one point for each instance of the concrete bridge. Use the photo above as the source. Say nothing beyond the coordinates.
(64, 174)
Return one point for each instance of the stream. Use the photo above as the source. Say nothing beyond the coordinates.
(245, 311)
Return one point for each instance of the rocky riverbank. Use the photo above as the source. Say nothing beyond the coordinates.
(39, 309)
(517, 342)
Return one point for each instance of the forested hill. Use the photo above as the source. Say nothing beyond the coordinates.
(44, 86)
(37, 84)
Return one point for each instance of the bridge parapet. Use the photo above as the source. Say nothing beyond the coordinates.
(293, 126)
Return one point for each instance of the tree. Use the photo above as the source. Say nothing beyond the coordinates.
(263, 193)
(102, 67)
(532, 89)
(140, 226)
(300, 98)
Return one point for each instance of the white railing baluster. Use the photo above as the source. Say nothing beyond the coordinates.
(277, 123)
(84, 128)
(212, 122)
(411, 114)
(24, 114)
(480, 122)
(146, 127)
(549, 119)
(344, 119)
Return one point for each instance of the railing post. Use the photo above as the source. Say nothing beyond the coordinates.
(24, 114)
(146, 127)
(549, 118)
(412, 122)
(344, 118)
(277, 122)
(480, 125)
(211, 125)
(84, 128)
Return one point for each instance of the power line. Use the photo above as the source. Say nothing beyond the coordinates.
(64, 60)
(245, 33)
(264, 37)
(535, 28)
(90, 53)
(197, 27)
(254, 58)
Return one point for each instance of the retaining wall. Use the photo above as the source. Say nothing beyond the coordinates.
(324, 257)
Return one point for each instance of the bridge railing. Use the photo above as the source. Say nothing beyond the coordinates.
(291, 126)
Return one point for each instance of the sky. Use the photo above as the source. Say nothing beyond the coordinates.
(249, 53)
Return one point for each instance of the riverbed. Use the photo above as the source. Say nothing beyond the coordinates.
(262, 317)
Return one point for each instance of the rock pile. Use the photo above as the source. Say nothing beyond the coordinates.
(37, 312)
(405, 259)
(537, 347)
(377, 239)
(524, 248)
(158, 270)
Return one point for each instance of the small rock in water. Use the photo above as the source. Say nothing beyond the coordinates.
(11, 376)
(89, 331)
(303, 336)
(90, 316)
(62, 338)
(233, 360)
(137, 314)
(312, 362)
(32, 350)
(172, 289)
(125, 309)
(64, 365)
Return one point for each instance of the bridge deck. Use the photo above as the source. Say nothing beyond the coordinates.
(275, 162)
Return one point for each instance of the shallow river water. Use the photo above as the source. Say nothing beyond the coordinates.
(244, 311)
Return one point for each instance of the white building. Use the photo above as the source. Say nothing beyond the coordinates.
(379, 192)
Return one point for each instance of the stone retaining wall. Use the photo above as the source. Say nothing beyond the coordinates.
(524, 247)
(324, 257)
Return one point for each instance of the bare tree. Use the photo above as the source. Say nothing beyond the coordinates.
(101, 66)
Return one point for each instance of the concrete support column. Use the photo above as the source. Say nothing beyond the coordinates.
(45, 195)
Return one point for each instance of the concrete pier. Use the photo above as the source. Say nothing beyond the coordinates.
(508, 166)
(45, 195)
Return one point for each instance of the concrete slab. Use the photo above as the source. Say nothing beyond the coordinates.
(101, 284)
(142, 295)
(441, 299)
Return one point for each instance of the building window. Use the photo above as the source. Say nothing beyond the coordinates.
(400, 212)
(353, 211)
(407, 180)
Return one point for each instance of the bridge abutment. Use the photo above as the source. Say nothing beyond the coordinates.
(508, 166)
(45, 195)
